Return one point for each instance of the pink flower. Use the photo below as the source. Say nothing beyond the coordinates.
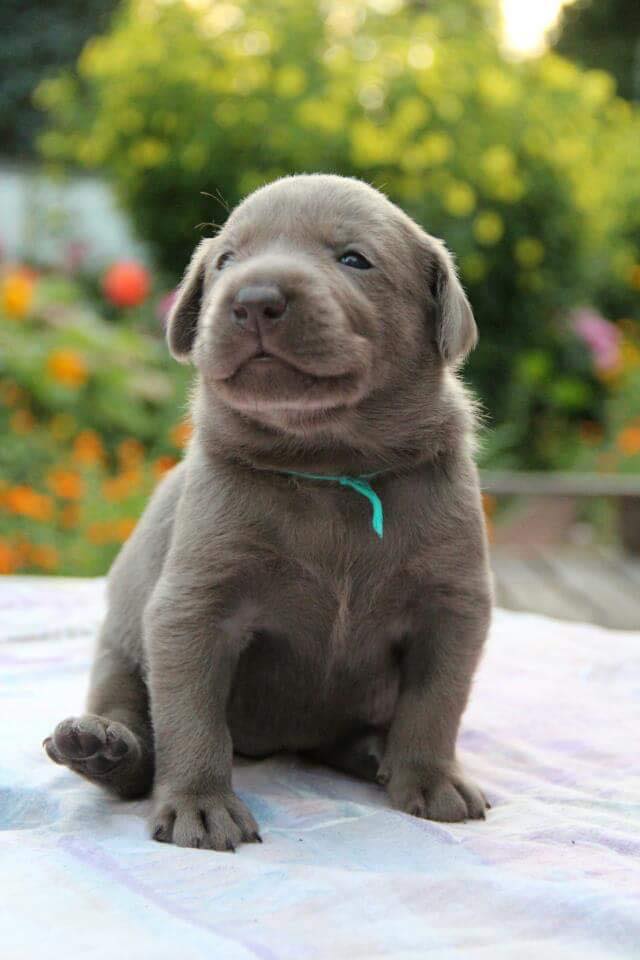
(75, 255)
(164, 305)
(601, 336)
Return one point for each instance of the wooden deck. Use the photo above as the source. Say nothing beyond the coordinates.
(590, 584)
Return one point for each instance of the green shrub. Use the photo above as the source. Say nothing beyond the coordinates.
(525, 169)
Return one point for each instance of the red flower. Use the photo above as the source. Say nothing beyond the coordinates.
(126, 283)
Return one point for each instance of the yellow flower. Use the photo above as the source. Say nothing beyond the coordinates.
(67, 367)
(488, 228)
(436, 147)
(629, 355)
(529, 251)
(634, 276)
(459, 199)
(498, 161)
(474, 267)
(290, 81)
(16, 293)
(496, 87)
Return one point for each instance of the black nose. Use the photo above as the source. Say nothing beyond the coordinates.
(258, 308)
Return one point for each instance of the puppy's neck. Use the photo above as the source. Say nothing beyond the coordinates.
(374, 439)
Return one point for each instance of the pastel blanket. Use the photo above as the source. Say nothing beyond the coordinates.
(552, 733)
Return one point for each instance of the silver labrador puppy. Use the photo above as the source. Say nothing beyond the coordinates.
(313, 577)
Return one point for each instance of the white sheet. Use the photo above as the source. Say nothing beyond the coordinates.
(552, 733)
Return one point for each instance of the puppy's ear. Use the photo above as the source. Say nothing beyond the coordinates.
(182, 322)
(456, 331)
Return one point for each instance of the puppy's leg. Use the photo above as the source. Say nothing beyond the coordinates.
(419, 767)
(193, 652)
(112, 744)
(359, 756)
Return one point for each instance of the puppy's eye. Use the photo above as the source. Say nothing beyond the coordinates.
(224, 260)
(355, 260)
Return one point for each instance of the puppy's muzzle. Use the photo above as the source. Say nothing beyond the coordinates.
(258, 308)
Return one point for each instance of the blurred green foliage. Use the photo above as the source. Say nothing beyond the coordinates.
(604, 34)
(36, 39)
(90, 417)
(529, 171)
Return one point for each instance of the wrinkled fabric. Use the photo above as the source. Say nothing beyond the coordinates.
(552, 733)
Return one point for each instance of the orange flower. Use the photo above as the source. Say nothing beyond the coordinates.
(96, 533)
(21, 551)
(180, 434)
(87, 447)
(22, 421)
(122, 529)
(26, 502)
(488, 504)
(8, 560)
(162, 465)
(68, 368)
(122, 485)
(126, 284)
(130, 452)
(12, 394)
(69, 516)
(16, 293)
(66, 484)
(628, 441)
(111, 531)
(44, 556)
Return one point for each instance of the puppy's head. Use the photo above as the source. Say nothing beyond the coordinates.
(316, 296)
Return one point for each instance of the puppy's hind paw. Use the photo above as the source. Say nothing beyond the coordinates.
(90, 745)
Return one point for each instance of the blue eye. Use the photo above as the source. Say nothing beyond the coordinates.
(355, 260)
(224, 260)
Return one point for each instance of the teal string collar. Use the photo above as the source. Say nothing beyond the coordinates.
(360, 484)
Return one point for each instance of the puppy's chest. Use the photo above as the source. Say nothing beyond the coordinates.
(343, 602)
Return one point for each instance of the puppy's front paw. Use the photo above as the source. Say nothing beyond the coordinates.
(441, 793)
(216, 821)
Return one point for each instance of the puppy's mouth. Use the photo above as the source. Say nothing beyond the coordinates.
(269, 383)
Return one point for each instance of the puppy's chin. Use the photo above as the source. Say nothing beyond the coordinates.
(278, 394)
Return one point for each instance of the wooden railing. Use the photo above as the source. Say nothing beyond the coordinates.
(624, 489)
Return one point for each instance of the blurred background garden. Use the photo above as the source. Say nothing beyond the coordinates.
(128, 128)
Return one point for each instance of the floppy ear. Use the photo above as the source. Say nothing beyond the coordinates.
(182, 322)
(456, 331)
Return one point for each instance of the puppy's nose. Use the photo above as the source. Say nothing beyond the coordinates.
(258, 308)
